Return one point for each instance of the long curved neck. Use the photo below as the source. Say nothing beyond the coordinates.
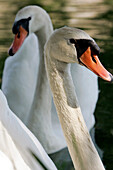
(81, 148)
(42, 94)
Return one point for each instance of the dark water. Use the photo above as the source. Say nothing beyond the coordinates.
(95, 17)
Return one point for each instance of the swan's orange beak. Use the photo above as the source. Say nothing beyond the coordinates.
(92, 62)
(18, 41)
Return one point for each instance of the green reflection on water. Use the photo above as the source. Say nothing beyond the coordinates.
(104, 109)
(97, 20)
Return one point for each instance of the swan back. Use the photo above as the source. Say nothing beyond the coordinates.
(22, 142)
(5, 163)
(86, 87)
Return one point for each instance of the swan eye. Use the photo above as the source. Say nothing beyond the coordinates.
(72, 41)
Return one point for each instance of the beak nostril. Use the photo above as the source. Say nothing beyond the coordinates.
(11, 52)
(93, 58)
(18, 36)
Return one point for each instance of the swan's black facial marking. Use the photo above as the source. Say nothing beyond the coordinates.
(21, 31)
(82, 45)
(23, 22)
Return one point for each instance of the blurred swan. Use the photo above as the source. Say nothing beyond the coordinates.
(5, 163)
(18, 146)
(31, 100)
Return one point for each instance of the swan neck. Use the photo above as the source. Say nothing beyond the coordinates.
(43, 35)
(81, 148)
(64, 87)
(42, 98)
(43, 89)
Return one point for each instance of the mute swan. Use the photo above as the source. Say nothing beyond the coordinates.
(18, 143)
(18, 86)
(69, 45)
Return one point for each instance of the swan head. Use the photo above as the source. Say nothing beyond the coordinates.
(71, 45)
(28, 20)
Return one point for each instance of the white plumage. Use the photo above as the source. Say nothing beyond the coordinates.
(5, 163)
(19, 87)
(18, 143)
(20, 77)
